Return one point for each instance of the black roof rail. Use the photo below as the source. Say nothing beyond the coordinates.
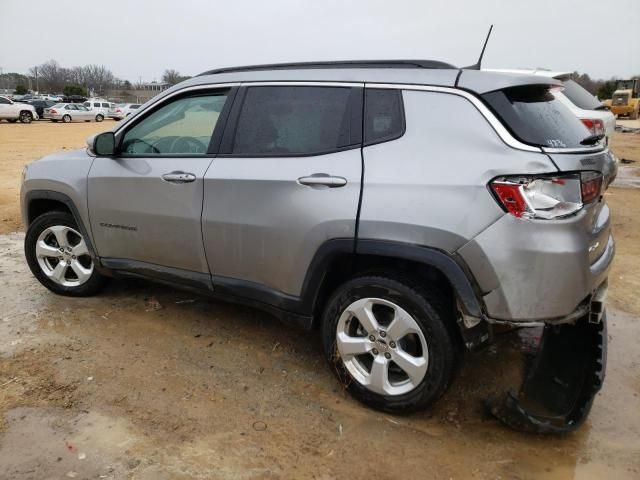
(430, 64)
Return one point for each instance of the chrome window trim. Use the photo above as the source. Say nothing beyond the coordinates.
(596, 149)
(145, 106)
(497, 126)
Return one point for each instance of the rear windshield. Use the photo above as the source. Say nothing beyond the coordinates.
(536, 117)
(580, 97)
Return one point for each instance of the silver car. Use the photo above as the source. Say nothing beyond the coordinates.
(401, 209)
(69, 112)
(122, 110)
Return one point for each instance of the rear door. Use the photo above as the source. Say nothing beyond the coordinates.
(145, 203)
(286, 180)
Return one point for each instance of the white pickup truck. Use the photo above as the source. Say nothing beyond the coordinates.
(16, 111)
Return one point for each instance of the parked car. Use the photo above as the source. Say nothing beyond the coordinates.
(99, 107)
(40, 105)
(69, 112)
(14, 111)
(587, 107)
(122, 110)
(404, 208)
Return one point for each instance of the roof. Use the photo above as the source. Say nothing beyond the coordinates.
(413, 72)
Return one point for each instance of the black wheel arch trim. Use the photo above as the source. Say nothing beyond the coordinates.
(451, 266)
(65, 200)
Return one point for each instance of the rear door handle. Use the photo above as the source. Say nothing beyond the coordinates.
(322, 179)
(179, 177)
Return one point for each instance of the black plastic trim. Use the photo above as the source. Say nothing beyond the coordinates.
(451, 267)
(428, 64)
(174, 276)
(65, 200)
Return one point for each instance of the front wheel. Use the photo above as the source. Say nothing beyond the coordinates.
(59, 258)
(388, 342)
(26, 117)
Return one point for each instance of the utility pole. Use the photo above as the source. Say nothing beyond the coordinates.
(37, 86)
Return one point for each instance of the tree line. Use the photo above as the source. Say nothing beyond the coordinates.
(54, 78)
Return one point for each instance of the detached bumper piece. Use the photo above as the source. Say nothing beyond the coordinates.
(561, 382)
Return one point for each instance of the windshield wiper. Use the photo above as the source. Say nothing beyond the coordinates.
(592, 139)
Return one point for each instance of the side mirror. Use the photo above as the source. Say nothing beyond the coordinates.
(104, 144)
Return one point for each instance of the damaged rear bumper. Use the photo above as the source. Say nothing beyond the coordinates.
(561, 380)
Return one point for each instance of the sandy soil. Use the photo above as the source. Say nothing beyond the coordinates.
(145, 382)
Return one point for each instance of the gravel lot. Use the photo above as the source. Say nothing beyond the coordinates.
(145, 382)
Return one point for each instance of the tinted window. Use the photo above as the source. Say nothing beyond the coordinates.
(96, 105)
(87, 104)
(294, 120)
(384, 115)
(580, 97)
(133, 107)
(105, 105)
(183, 126)
(536, 117)
(4, 101)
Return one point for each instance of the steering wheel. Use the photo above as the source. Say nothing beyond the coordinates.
(187, 145)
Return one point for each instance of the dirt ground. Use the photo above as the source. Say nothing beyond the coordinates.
(145, 382)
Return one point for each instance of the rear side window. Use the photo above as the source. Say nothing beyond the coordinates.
(297, 121)
(580, 97)
(106, 105)
(536, 117)
(384, 115)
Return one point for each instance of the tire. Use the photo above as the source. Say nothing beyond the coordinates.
(99, 117)
(66, 119)
(427, 314)
(634, 114)
(45, 236)
(26, 117)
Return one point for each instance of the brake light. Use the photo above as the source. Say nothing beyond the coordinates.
(591, 186)
(53, 111)
(594, 125)
(547, 197)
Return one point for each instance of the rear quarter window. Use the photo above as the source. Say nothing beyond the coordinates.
(384, 115)
(535, 116)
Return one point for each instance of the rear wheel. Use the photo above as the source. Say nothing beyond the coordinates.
(634, 114)
(99, 117)
(26, 117)
(59, 257)
(388, 342)
(66, 118)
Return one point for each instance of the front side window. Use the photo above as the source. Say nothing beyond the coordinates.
(296, 120)
(183, 126)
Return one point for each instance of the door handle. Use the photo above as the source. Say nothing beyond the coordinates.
(323, 180)
(179, 177)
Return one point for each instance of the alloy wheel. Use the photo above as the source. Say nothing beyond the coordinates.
(63, 256)
(382, 346)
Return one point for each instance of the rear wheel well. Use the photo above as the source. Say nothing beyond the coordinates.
(40, 206)
(347, 266)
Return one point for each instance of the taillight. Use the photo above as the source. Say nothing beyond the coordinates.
(591, 186)
(594, 125)
(547, 197)
(52, 111)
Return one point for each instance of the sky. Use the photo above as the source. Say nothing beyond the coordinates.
(139, 39)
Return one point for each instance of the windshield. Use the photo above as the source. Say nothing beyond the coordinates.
(536, 117)
(580, 97)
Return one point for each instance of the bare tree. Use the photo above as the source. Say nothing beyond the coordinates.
(172, 77)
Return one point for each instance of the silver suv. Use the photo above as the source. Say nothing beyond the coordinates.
(401, 208)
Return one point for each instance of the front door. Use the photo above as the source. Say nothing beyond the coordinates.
(286, 180)
(145, 203)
